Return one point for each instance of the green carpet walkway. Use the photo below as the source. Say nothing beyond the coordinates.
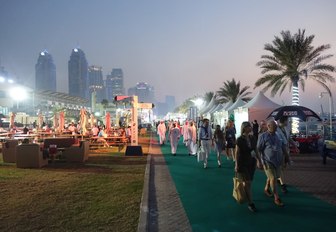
(206, 195)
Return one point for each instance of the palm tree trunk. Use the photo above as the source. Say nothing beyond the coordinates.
(295, 92)
(296, 102)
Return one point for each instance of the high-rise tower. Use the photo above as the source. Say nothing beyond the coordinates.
(78, 74)
(96, 82)
(45, 72)
(115, 84)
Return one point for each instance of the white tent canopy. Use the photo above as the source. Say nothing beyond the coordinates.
(215, 108)
(206, 112)
(260, 101)
(238, 103)
(257, 108)
(208, 107)
(221, 115)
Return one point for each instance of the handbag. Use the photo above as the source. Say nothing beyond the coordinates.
(239, 193)
(200, 154)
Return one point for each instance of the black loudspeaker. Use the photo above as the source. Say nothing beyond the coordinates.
(133, 151)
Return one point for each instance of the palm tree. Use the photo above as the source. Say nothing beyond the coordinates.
(185, 106)
(208, 96)
(293, 60)
(231, 90)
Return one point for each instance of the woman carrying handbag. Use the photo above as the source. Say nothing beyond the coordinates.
(246, 161)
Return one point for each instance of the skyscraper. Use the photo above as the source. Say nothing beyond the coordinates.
(45, 72)
(115, 84)
(144, 91)
(78, 74)
(96, 82)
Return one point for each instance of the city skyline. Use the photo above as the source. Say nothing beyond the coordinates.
(171, 45)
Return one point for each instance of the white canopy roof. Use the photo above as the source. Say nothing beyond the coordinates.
(257, 109)
(237, 104)
(223, 106)
(214, 109)
(227, 105)
(260, 101)
(209, 106)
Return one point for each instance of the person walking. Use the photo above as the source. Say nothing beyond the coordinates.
(285, 137)
(271, 149)
(255, 128)
(184, 132)
(161, 131)
(169, 127)
(205, 137)
(192, 139)
(220, 143)
(174, 136)
(262, 127)
(230, 137)
(246, 160)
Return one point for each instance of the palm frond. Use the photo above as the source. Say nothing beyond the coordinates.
(302, 84)
(293, 59)
(325, 87)
(231, 90)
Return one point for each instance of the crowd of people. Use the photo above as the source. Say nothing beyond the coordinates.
(263, 145)
(73, 129)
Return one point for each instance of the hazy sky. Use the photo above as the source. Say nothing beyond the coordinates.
(181, 47)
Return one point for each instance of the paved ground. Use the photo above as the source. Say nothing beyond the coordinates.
(311, 176)
(166, 212)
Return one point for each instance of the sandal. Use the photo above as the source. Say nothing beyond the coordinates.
(278, 202)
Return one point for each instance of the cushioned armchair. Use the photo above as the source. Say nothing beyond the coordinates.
(30, 156)
(8, 151)
(77, 153)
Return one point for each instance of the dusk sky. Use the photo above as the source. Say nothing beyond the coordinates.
(181, 47)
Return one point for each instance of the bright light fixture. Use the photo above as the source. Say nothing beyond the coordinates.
(2, 79)
(198, 102)
(18, 93)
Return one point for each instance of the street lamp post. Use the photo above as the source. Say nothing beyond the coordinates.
(330, 110)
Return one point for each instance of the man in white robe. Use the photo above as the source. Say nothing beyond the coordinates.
(185, 134)
(192, 139)
(161, 130)
(174, 136)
